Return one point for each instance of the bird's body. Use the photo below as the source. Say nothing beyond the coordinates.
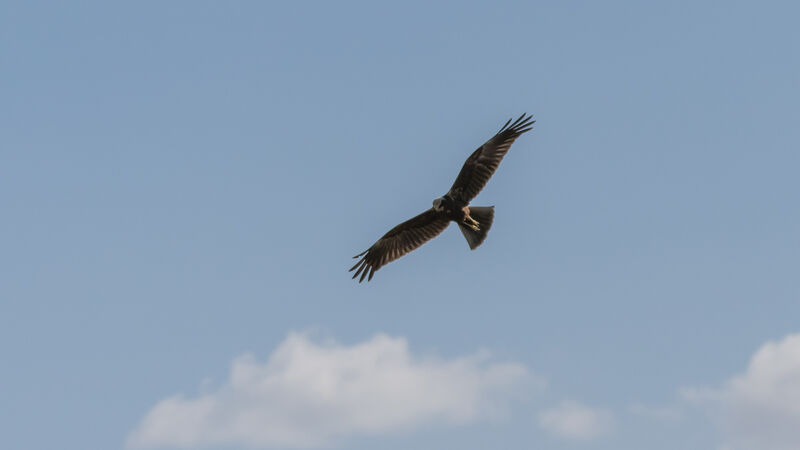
(474, 221)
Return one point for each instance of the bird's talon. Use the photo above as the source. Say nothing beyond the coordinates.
(472, 223)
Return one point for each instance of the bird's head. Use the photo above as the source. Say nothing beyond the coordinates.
(438, 204)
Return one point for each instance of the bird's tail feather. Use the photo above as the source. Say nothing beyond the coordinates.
(484, 215)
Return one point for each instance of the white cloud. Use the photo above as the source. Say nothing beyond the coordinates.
(759, 409)
(308, 394)
(573, 420)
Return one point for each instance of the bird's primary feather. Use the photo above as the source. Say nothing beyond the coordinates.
(483, 162)
(400, 240)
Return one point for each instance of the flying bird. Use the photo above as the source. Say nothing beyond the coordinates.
(474, 221)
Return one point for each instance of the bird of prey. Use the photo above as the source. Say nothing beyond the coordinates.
(474, 221)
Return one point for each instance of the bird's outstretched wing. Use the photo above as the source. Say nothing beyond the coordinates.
(482, 163)
(400, 240)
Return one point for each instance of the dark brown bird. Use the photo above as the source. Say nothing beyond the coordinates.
(474, 221)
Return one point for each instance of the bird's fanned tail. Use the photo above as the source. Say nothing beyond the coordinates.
(484, 215)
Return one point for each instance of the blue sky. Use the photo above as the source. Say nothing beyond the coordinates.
(184, 183)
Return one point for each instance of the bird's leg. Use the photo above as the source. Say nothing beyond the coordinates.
(472, 223)
(469, 221)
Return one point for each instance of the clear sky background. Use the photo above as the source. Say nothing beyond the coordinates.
(184, 183)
